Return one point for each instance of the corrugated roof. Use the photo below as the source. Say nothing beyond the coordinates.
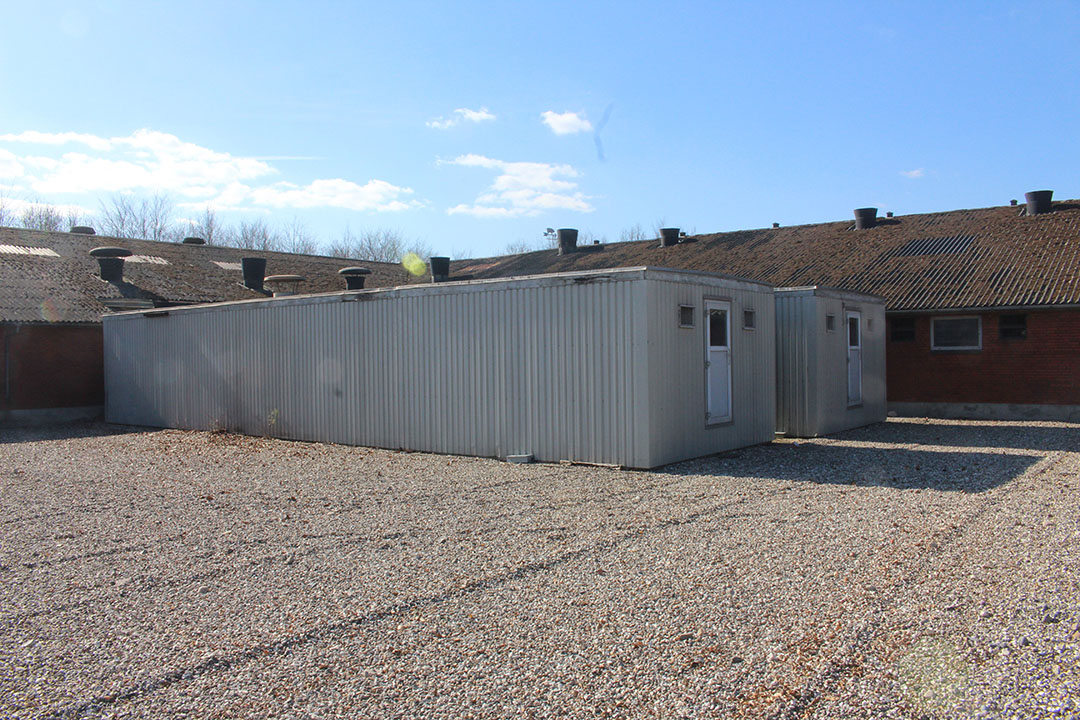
(65, 287)
(990, 257)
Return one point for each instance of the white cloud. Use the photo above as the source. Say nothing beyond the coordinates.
(64, 138)
(10, 167)
(566, 123)
(522, 189)
(459, 116)
(375, 195)
(913, 174)
(151, 161)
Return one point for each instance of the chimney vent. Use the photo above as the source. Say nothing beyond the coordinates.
(567, 240)
(111, 262)
(284, 285)
(1013, 202)
(776, 225)
(194, 241)
(440, 269)
(669, 237)
(354, 277)
(865, 218)
(888, 214)
(254, 269)
(1038, 201)
(83, 230)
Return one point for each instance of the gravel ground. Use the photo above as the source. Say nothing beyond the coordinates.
(913, 569)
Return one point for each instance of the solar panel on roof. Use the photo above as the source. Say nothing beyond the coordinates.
(935, 246)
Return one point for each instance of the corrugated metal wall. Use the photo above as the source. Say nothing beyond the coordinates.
(676, 390)
(812, 393)
(541, 366)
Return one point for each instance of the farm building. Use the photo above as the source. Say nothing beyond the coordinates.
(830, 360)
(982, 306)
(636, 367)
(53, 293)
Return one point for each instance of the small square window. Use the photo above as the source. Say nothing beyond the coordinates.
(903, 330)
(830, 323)
(686, 316)
(749, 319)
(1012, 327)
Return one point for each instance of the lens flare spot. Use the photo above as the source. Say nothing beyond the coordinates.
(49, 313)
(414, 264)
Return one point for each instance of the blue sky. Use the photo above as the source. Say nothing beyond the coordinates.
(469, 126)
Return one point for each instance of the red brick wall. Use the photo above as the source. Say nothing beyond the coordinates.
(1044, 368)
(50, 366)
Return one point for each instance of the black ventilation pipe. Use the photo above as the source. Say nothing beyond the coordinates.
(254, 271)
(83, 230)
(440, 269)
(567, 240)
(111, 262)
(354, 277)
(865, 218)
(669, 237)
(194, 241)
(1038, 201)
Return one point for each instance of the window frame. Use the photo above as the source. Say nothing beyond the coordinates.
(693, 315)
(748, 314)
(934, 347)
(1014, 327)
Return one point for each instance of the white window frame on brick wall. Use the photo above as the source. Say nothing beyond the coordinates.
(947, 318)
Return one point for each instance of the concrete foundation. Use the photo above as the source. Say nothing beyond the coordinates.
(987, 411)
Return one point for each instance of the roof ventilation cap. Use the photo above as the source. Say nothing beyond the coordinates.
(194, 241)
(354, 277)
(111, 262)
(865, 218)
(440, 268)
(669, 237)
(567, 240)
(776, 225)
(1038, 201)
(83, 230)
(254, 269)
(284, 285)
(1013, 202)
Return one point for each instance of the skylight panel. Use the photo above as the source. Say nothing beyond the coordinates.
(229, 265)
(152, 259)
(935, 246)
(22, 250)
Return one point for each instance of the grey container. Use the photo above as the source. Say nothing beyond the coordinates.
(824, 383)
(594, 367)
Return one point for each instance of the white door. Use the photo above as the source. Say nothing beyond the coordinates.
(718, 361)
(854, 358)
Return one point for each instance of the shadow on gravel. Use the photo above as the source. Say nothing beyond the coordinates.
(974, 433)
(900, 468)
(66, 431)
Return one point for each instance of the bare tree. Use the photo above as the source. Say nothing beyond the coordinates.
(7, 214)
(518, 247)
(257, 235)
(633, 234)
(296, 238)
(207, 226)
(383, 245)
(41, 216)
(143, 218)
